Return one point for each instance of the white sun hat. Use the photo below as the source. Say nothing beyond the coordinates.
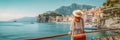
(77, 13)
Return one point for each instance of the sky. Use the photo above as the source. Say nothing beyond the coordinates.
(12, 9)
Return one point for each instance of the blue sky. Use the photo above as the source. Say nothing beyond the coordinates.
(11, 9)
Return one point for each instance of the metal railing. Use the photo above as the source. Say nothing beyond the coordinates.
(66, 34)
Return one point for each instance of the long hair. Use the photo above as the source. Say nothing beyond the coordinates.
(76, 19)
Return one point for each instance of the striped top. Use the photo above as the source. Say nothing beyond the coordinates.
(77, 27)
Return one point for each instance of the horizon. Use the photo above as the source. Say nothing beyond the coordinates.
(12, 9)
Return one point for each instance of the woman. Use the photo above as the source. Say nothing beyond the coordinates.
(77, 26)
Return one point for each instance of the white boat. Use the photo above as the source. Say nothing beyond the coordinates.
(89, 27)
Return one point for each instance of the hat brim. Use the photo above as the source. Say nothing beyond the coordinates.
(74, 13)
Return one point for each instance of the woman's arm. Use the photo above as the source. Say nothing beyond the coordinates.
(71, 27)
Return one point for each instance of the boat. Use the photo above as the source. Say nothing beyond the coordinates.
(89, 27)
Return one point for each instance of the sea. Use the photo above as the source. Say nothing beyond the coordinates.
(24, 30)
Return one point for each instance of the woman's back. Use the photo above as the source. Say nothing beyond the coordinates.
(77, 27)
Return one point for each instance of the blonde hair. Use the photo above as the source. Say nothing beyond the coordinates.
(76, 19)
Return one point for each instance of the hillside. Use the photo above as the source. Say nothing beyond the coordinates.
(112, 14)
(67, 10)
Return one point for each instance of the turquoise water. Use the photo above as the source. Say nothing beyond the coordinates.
(20, 31)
